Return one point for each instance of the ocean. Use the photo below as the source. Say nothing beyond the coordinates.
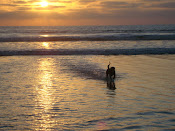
(53, 77)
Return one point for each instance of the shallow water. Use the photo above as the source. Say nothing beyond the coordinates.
(70, 93)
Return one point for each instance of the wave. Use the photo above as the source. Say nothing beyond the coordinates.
(111, 37)
(92, 31)
(140, 51)
(84, 69)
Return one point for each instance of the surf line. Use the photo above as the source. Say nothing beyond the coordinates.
(139, 51)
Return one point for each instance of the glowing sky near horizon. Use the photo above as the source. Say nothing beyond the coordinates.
(86, 12)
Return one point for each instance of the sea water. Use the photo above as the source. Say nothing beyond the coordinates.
(53, 78)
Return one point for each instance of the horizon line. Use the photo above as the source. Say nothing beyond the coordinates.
(88, 25)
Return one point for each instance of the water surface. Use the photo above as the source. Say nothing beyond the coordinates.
(70, 93)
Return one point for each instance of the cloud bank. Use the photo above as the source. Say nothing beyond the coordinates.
(87, 12)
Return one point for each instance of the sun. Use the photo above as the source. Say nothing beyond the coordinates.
(44, 4)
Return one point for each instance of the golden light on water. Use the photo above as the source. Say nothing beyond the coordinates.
(45, 79)
(45, 45)
(45, 91)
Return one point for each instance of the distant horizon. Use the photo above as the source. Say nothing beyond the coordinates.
(97, 25)
(90, 25)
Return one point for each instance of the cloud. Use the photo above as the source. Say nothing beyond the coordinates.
(23, 8)
(11, 5)
(139, 4)
(21, 15)
(19, 2)
(159, 4)
(156, 0)
(17, 15)
(90, 11)
(49, 8)
(60, 1)
(86, 1)
(118, 4)
(165, 5)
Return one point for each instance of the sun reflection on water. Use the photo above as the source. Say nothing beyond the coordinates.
(45, 45)
(45, 96)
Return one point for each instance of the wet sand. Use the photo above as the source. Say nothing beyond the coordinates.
(70, 92)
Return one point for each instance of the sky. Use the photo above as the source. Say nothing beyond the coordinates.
(86, 12)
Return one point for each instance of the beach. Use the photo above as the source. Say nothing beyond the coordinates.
(53, 78)
(55, 93)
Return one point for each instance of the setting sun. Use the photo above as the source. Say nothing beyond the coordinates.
(44, 4)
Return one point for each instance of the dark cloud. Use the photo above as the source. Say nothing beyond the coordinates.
(17, 4)
(154, 4)
(10, 5)
(157, 0)
(20, 2)
(130, 13)
(117, 4)
(17, 15)
(22, 15)
(87, 1)
(158, 3)
(165, 5)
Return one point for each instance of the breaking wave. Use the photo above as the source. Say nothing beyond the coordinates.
(111, 37)
(139, 51)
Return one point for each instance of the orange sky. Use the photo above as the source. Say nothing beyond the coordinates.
(86, 12)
